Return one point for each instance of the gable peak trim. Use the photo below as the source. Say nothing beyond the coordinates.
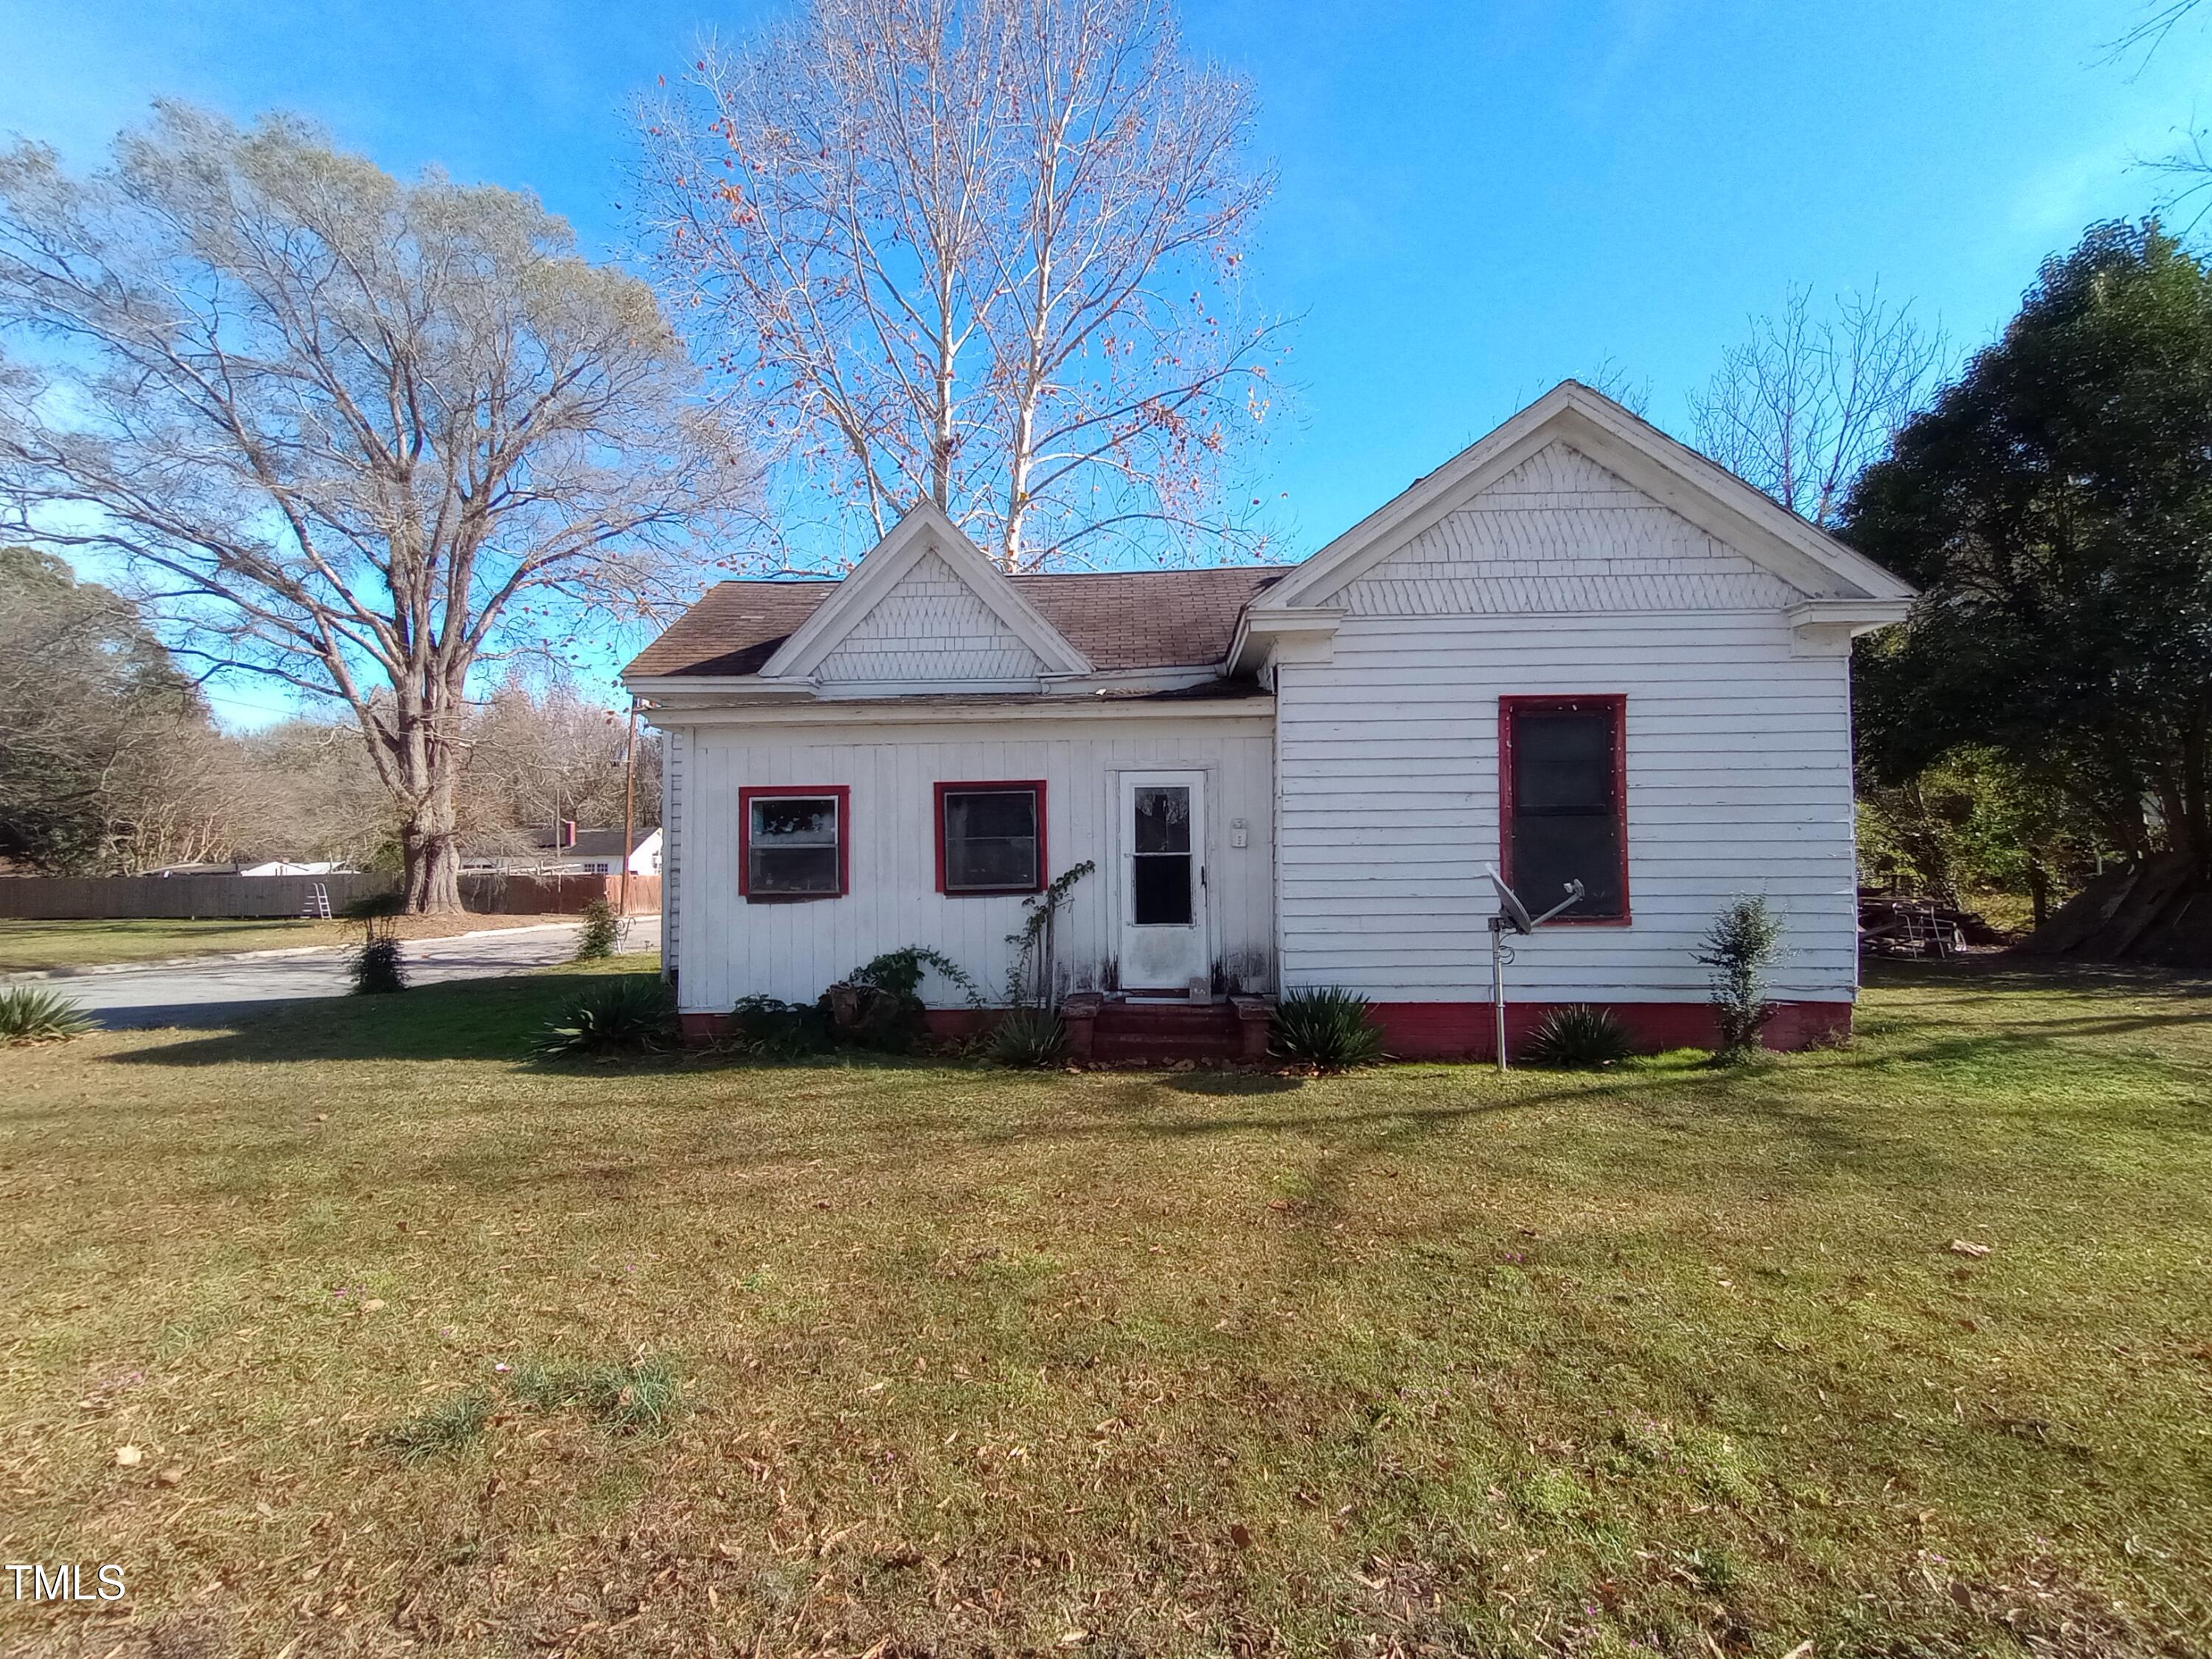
(1595, 426)
(922, 531)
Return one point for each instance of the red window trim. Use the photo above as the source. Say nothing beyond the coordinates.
(842, 793)
(1507, 709)
(1007, 786)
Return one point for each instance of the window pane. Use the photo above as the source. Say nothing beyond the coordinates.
(1566, 821)
(990, 839)
(1162, 882)
(793, 870)
(792, 844)
(806, 820)
(1548, 853)
(1563, 763)
(1163, 818)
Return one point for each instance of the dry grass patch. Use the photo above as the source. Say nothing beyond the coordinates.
(933, 1361)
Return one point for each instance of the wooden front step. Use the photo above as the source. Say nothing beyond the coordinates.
(1128, 1032)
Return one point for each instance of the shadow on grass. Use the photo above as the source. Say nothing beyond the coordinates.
(496, 1018)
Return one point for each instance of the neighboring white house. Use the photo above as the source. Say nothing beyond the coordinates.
(565, 851)
(1576, 651)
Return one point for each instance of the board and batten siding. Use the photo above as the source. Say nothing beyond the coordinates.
(1562, 579)
(725, 948)
(674, 750)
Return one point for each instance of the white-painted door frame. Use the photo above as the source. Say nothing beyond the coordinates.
(1152, 957)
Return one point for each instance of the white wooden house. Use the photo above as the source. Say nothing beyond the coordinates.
(1576, 650)
(563, 850)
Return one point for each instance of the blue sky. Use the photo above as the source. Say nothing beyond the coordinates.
(1476, 199)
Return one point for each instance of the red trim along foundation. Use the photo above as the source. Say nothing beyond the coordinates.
(1461, 1030)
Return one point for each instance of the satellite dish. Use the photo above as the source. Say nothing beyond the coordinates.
(1509, 904)
(1512, 914)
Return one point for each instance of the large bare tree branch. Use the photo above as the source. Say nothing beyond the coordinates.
(359, 434)
(1806, 404)
(984, 252)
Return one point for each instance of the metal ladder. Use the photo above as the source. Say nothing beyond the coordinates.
(318, 905)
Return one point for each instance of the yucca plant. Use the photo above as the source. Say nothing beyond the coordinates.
(31, 1013)
(1328, 1028)
(1580, 1038)
(1029, 1038)
(377, 968)
(632, 1015)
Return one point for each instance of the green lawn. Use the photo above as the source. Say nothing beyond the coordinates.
(25, 945)
(1413, 1361)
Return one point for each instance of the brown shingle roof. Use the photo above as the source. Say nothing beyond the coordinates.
(1121, 619)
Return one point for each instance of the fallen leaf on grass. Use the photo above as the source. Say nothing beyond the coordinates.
(1240, 1534)
(128, 1457)
(1073, 1638)
(172, 1475)
(374, 1304)
(1967, 1246)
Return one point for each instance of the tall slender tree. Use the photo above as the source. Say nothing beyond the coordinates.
(350, 433)
(982, 252)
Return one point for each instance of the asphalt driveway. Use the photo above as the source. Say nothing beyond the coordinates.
(216, 990)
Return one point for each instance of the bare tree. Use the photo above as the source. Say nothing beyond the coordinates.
(354, 434)
(541, 753)
(986, 252)
(1803, 406)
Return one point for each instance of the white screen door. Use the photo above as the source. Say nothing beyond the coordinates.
(1164, 932)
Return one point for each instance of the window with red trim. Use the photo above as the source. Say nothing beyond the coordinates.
(793, 842)
(1562, 802)
(990, 838)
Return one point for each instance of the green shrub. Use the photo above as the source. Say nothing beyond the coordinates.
(1738, 948)
(768, 1027)
(447, 1426)
(377, 968)
(602, 932)
(878, 1005)
(31, 1013)
(1580, 1038)
(1030, 1038)
(631, 1015)
(1327, 1028)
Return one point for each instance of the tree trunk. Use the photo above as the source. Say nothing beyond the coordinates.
(428, 845)
(433, 862)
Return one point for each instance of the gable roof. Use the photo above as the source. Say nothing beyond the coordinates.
(1670, 472)
(1120, 620)
(924, 533)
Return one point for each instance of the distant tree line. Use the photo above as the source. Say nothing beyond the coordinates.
(111, 764)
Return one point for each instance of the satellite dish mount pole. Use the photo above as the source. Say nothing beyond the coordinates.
(1500, 954)
(1512, 914)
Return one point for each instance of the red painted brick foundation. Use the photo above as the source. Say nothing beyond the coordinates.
(1461, 1030)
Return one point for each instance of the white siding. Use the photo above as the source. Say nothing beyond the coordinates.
(733, 949)
(1739, 781)
(931, 626)
(1559, 533)
(674, 750)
